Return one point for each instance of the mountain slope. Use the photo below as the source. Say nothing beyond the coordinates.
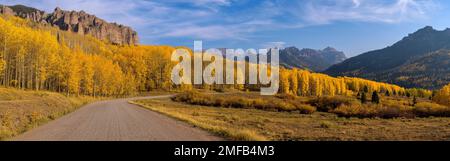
(373, 65)
(430, 71)
(315, 60)
(78, 22)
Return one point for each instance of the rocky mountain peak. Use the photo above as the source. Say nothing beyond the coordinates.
(329, 49)
(57, 9)
(312, 59)
(78, 22)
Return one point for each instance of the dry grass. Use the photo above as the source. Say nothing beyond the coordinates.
(344, 106)
(328, 103)
(392, 109)
(431, 109)
(254, 124)
(281, 103)
(23, 110)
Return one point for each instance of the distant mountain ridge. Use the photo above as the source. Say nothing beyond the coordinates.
(78, 22)
(315, 60)
(419, 56)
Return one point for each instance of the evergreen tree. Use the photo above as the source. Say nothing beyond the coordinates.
(375, 97)
(366, 89)
(363, 98)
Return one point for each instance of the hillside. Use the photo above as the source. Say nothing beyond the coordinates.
(44, 58)
(39, 57)
(21, 110)
(315, 60)
(77, 22)
(375, 64)
(430, 71)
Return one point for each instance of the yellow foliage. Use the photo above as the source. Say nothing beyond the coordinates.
(443, 96)
(39, 57)
(43, 58)
(305, 83)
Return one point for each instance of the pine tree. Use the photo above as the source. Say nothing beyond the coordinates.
(366, 89)
(375, 97)
(363, 98)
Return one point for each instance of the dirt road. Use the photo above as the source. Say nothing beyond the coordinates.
(116, 120)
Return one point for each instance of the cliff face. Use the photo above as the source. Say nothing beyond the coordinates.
(78, 22)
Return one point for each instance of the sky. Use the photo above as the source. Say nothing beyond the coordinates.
(352, 26)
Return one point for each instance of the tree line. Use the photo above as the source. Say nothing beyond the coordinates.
(44, 58)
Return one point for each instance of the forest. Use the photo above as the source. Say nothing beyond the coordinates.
(39, 57)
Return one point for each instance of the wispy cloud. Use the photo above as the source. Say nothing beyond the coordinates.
(276, 44)
(367, 10)
(236, 20)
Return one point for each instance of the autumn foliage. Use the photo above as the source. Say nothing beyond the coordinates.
(305, 83)
(443, 96)
(43, 58)
(39, 57)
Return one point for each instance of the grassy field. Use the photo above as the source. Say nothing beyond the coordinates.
(275, 124)
(23, 110)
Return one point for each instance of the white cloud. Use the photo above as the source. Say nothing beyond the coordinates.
(367, 11)
(207, 19)
(204, 32)
(276, 44)
(357, 3)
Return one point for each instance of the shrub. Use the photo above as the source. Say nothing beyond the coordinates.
(288, 103)
(383, 111)
(326, 104)
(285, 106)
(286, 96)
(348, 110)
(220, 90)
(372, 110)
(426, 109)
(326, 124)
(304, 108)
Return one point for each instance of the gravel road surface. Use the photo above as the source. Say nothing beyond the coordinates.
(116, 120)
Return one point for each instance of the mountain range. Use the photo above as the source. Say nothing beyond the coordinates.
(311, 59)
(420, 59)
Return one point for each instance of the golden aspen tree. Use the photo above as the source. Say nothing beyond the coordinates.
(443, 96)
(284, 81)
(304, 83)
(74, 75)
(293, 79)
(45, 58)
(87, 78)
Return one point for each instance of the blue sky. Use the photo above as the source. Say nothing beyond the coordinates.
(353, 26)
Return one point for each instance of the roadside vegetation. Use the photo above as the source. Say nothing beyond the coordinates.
(361, 106)
(22, 110)
(249, 123)
(279, 103)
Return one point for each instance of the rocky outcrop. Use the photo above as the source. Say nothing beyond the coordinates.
(6, 10)
(78, 22)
